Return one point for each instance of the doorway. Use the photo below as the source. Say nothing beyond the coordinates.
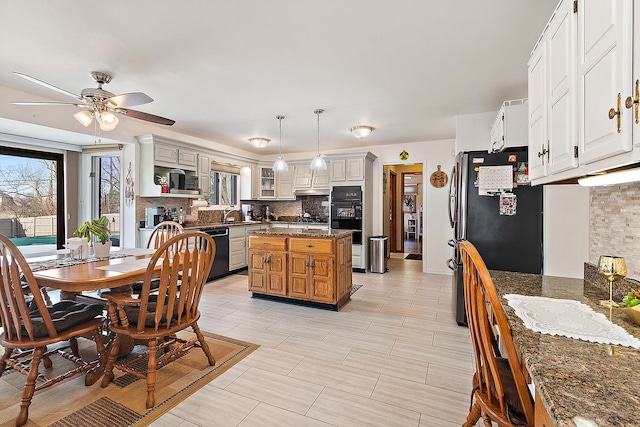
(404, 209)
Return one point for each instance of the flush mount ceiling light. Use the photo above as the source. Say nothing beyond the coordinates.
(280, 165)
(621, 177)
(361, 131)
(318, 162)
(259, 142)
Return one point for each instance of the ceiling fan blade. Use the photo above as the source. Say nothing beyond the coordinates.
(48, 103)
(47, 85)
(129, 99)
(145, 116)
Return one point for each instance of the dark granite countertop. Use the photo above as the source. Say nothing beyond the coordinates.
(581, 383)
(298, 232)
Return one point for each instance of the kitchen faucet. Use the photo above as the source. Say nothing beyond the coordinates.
(227, 211)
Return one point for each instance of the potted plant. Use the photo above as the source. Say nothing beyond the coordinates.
(163, 182)
(98, 228)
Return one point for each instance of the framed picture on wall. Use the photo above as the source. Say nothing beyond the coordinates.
(409, 204)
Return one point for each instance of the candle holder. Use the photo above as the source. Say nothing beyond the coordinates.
(612, 268)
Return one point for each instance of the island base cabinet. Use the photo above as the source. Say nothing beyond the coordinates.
(541, 416)
(317, 270)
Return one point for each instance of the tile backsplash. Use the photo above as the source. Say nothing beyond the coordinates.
(614, 224)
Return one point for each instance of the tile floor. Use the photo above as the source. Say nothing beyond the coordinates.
(393, 356)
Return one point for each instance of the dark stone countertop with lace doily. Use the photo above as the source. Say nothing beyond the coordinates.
(581, 383)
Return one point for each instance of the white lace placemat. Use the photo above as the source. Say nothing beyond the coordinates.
(569, 318)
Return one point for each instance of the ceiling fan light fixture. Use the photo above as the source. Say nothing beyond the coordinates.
(361, 131)
(259, 142)
(318, 163)
(108, 121)
(280, 165)
(84, 117)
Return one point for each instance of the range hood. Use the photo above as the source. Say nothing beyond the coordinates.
(311, 192)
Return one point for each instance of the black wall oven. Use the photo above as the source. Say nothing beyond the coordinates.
(346, 210)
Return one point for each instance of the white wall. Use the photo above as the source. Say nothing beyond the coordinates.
(436, 228)
(566, 230)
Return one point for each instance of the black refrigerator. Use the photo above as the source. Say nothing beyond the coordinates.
(504, 224)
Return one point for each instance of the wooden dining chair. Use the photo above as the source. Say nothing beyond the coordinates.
(163, 232)
(34, 325)
(160, 234)
(155, 317)
(500, 392)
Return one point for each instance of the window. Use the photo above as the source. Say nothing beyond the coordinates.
(224, 189)
(106, 193)
(32, 198)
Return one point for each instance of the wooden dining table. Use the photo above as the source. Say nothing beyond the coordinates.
(124, 267)
(117, 273)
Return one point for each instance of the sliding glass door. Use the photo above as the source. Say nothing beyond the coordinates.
(32, 199)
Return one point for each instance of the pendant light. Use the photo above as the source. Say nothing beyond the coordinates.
(318, 162)
(280, 165)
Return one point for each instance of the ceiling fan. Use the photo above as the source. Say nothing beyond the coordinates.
(101, 104)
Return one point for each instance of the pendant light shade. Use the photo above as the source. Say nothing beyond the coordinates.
(280, 165)
(318, 163)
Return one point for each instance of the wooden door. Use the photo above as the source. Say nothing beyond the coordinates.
(322, 279)
(299, 286)
(277, 273)
(257, 271)
(393, 212)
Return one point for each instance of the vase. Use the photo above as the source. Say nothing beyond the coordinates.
(101, 250)
(164, 188)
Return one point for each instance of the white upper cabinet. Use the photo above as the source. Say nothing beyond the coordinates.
(285, 184)
(604, 76)
(552, 96)
(347, 169)
(302, 176)
(537, 112)
(510, 126)
(561, 91)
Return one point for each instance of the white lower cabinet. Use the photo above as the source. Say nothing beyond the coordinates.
(357, 257)
(237, 247)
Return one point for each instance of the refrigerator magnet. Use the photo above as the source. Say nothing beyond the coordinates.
(508, 204)
(512, 158)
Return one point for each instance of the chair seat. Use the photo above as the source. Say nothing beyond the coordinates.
(64, 314)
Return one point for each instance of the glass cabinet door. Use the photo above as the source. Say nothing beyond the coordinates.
(267, 183)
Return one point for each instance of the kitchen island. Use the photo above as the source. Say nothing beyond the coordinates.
(303, 265)
(578, 383)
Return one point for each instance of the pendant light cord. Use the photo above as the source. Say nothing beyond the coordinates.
(280, 126)
(318, 112)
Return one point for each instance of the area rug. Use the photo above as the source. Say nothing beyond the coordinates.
(414, 256)
(72, 404)
(354, 288)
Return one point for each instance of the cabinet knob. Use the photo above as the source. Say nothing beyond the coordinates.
(616, 113)
(543, 152)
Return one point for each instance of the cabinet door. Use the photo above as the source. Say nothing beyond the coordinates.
(322, 279)
(187, 158)
(285, 184)
(321, 179)
(204, 165)
(338, 169)
(497, 132)
(267, 183)
(604, 73)
(237, 257)
(165, 153)
(561, 94)
(355, 169)
(299, 286)
(537, 112)
(277, 273)
(257, 271)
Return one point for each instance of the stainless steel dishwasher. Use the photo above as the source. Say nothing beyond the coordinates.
(220, 265)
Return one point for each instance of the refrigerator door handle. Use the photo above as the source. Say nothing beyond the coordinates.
(452, 197)
(451, 264)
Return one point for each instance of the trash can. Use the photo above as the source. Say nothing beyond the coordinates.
(378, 254)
